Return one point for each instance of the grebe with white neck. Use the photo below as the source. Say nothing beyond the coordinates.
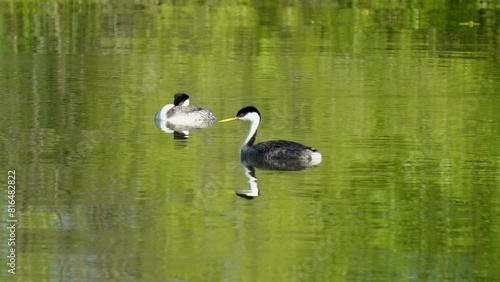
(182, 114)
(276, 154)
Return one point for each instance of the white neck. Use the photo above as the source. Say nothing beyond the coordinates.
(162, 113)
(167, 107)
(186, 103)
(254, 119)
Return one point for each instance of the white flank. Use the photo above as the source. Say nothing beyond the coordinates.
(315, 158)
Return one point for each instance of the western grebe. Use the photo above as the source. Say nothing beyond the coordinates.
(275, 155)
(182, 114)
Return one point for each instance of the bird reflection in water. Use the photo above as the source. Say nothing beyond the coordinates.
(279, 165)
(180, 132)
(253, 189)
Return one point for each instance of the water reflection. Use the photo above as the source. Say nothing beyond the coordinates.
(273, 164)
(403, 101)
(281, 163)
(179, 131)
(253, 189)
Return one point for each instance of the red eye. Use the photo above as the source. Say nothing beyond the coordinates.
(241, 115)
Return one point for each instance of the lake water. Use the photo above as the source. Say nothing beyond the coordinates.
(402, 100)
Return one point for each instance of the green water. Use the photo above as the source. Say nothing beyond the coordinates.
(401, 98)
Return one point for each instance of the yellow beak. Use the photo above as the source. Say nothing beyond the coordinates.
(228, 119)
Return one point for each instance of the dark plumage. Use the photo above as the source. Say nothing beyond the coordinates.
(276, 154)
(180, 98)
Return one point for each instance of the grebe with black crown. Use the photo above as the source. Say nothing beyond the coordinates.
(181, 113)
(276, 154)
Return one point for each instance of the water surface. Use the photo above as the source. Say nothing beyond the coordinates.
(401, 101)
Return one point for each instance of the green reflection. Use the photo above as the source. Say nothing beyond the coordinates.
(400, 98)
